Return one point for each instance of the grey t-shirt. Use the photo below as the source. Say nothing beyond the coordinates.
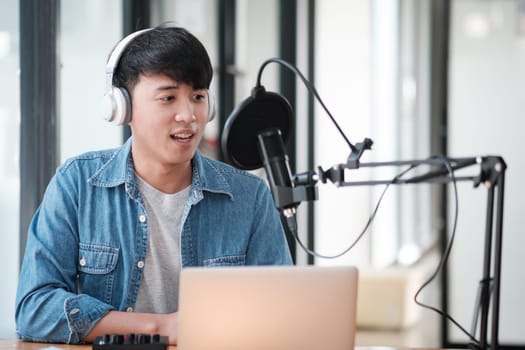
(159, 289)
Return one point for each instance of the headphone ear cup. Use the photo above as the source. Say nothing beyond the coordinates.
(117, 106)
(117, 101)
(212, 109)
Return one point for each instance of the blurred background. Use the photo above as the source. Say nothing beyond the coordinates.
(418, 77)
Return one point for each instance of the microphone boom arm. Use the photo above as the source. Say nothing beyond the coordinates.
(492, 175)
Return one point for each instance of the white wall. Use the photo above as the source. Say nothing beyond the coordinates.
(487, 100)
(9, 163)
(372, 68)
(257, 40)
(83, 55)
(343, 79)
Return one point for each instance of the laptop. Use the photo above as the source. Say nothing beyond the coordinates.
(268, 308)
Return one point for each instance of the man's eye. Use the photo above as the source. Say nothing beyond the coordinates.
(167, 98)
(200, 97)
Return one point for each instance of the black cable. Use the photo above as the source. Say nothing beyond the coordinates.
(293, 227)
(310, 88)
(445, 256)
(292, 223)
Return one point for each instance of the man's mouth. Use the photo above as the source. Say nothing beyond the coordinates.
(181, 137)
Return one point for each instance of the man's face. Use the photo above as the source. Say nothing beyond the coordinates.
(168, 120)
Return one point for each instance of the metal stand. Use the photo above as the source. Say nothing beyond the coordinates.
(492, 175)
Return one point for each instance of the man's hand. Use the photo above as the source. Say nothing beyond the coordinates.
(116, 322)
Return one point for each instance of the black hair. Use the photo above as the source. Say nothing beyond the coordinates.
(169, 51)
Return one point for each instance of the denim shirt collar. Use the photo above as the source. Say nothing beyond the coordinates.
(119, 170)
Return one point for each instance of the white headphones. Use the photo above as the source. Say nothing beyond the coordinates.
(117, 101)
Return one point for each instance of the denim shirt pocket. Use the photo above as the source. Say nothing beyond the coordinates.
(96, 266)
(230, 260)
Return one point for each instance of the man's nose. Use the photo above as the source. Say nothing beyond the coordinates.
(185, 112)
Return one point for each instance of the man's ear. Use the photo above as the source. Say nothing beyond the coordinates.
(212, 109)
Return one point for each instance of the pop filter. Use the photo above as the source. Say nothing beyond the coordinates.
(259, 112)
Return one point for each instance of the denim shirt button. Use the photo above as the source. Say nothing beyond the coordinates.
(129, 309)
(140, 264)
(142, 218)
(82, 262)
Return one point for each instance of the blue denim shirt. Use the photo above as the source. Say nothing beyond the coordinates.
(87, 242)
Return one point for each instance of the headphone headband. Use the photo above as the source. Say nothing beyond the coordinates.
(115, 55)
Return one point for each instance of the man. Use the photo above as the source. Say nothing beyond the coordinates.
(115, 227)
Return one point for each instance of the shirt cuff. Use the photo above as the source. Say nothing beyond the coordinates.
(82, 313)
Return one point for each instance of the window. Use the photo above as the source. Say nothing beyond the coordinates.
(9, 161)
(486, 94)
(373, 72)
(88, 31)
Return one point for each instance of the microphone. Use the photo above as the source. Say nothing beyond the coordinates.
(254, 136)
(277, 169)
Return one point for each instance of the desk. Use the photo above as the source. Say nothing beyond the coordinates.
(13, 344)
(10, 344)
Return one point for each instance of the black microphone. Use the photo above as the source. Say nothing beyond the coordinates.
(277, 167)
(254, 136)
